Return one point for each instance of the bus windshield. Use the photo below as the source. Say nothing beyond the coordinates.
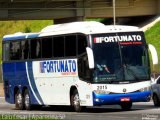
(120, 62)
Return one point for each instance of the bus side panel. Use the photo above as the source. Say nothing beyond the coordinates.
(9, 81)
(34, 93)
(85, 93)
(15, 77)
(53, 87)
(54, 79)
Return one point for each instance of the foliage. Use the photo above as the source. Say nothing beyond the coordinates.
(153, 37)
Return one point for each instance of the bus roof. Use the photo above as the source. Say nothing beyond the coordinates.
(88, 27)
(19, 35)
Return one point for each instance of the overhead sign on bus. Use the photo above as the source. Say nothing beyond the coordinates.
(121, 37)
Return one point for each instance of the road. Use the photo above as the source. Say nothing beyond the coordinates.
(140, 111)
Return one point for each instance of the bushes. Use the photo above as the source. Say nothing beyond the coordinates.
(153, 37)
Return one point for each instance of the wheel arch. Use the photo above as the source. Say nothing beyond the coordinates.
(71, 91)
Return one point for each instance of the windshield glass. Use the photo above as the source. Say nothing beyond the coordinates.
(120, 61)
(135, 62)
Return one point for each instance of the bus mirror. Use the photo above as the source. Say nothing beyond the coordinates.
(90, 57)
(153, 54)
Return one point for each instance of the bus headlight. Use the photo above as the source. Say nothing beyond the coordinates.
(145, 89)
(101, 92)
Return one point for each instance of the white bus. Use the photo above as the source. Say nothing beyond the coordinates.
(77, 64)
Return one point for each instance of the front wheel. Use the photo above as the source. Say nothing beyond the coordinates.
(156, 100)
(27, 101)
(75, 101)
(126, 106)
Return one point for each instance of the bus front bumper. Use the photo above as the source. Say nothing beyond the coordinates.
(110, 99)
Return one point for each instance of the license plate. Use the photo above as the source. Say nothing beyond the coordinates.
(125, 99)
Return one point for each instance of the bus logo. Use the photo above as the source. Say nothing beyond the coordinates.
(66, 67)
(122, 38)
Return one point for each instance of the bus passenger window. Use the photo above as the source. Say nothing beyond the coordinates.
(70, 45)
(58, 46)
(35, 49)
(47, 47)
(82, 44)
(6, 52)
(25, 49)
(15, 50)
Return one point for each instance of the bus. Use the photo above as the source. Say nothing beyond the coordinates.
(77, 64)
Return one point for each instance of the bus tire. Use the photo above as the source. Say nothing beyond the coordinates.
(75, 101)
(156, 100)
(19, 101)
(27, 101)
(126, 106)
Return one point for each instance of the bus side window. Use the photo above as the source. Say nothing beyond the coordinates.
(15, 52)
(25, 49)
(6, 51)
(58, 46)
(70, 46)
(82, 44)
(47, 47)
(35, 48)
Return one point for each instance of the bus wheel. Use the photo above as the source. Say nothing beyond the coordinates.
(126, 106)
(75, 101)
(27, 101)
(156, 100)
(19, 103)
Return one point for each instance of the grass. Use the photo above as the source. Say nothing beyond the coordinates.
(153, 37)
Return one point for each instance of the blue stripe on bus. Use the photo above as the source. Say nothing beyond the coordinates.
(34, 35)
(109, 99)
(14, 38)
(33, 84)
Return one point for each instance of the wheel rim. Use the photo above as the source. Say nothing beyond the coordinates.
(76, 101)
(19, 100)
(27, 101)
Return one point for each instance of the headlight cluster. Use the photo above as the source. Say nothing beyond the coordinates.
(145, 89)
(101, 91)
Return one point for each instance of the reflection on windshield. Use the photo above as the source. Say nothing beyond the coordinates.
(115, 62)
(135, 62)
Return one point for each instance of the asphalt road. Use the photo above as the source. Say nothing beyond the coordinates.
(139, 111)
